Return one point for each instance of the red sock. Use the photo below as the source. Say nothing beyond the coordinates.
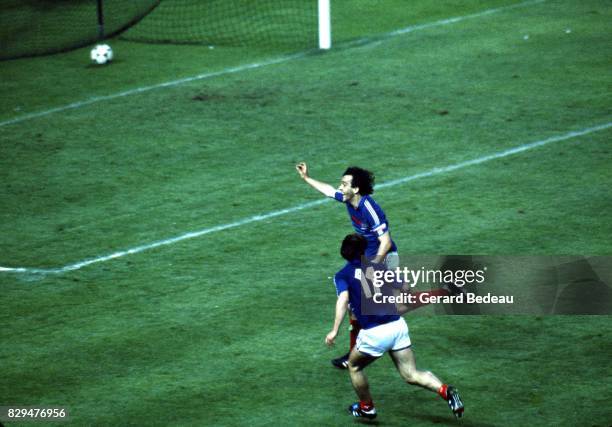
(433, 292)
(354, 331)
(442, 391)
(366, 405)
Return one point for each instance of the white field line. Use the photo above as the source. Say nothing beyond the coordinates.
(246, 67)
(273, 214)
(375, 40)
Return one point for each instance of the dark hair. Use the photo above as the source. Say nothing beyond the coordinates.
(362, 178)
(353, 247)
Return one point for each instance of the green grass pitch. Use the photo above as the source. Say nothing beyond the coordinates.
(227, 328)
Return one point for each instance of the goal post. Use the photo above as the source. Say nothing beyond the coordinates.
(324, 24)
(100, 13)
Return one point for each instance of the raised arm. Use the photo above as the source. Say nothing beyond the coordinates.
(321, 187)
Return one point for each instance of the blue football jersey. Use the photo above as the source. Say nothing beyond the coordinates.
(369, 220)
(366, 310)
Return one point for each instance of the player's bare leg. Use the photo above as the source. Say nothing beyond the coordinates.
(406, 365)
(357, 362)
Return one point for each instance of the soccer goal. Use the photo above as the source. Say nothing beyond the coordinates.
(29, 28)
(285, 24)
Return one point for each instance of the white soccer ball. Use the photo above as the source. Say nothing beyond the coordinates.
(101, 54)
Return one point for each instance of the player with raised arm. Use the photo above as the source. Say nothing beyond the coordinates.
(369, 220)
(380, 333)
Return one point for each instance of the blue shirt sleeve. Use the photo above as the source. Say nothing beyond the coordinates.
(380, 229)
(375, 218)
(338, 196)
(341, 284)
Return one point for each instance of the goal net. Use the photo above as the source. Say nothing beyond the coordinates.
(269, 23)
(37, 27)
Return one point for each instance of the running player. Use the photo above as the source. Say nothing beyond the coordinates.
(380, 333)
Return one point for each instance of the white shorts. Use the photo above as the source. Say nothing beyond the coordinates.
(380, 339)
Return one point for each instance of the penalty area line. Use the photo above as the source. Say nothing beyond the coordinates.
(257, 218)
(143, 89)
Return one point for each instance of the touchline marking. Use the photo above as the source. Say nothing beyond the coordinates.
(240, 68)
(273, 214)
